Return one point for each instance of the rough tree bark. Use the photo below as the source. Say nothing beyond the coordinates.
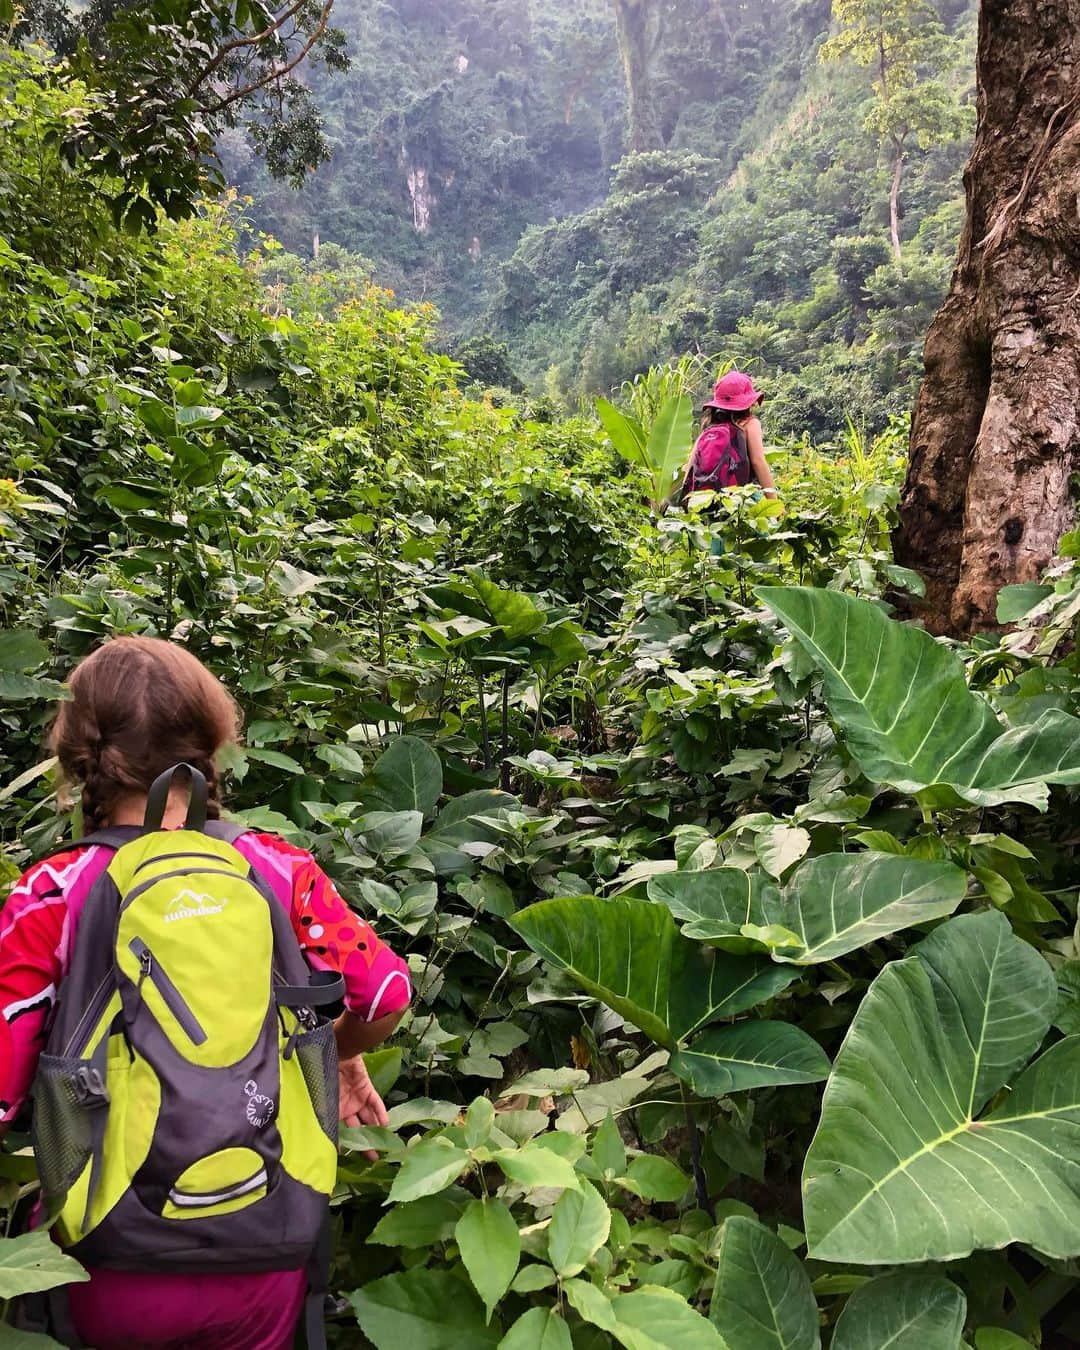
(996, 432)
(633, 22)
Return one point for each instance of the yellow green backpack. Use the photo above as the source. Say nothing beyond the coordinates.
(185, 1107)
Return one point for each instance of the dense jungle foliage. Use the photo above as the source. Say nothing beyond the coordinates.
(756, 224)
(742, 916)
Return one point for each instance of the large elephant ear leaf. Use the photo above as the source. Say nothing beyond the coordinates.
(905, 1166)
(842, 901)
(909, 717)
(751, 1054)
(905, 1312)
(630, 955)
(832, 905)
(762, 1299)
(716, 905)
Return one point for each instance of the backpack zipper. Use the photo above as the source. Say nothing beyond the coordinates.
(150, 969)
(170, 857)
(90, 1018)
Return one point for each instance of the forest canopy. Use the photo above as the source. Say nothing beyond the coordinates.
(484, 159)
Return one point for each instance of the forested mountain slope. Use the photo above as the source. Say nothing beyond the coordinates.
(480, 162)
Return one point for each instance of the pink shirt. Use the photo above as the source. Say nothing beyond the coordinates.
(116, 1309)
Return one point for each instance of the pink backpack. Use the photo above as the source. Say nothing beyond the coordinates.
(720, 460)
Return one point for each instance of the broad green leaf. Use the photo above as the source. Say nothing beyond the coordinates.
(630, 955)
(845, 901)
(548, 1082)
(538, 1329)
(762, 1299)
(516, 614)
(384, 1068)
(32, 1263)
(18, 688)
(669, 443)
(1067, 1012)
(580, 1223)
(590, 1303)
(421, 1223)
(274, 758)
(490, 1245)
(562, 648)
(625, 434)
(608, 1150)
(343, 758)
(429, 1167)
(655, 1178)
(749, 1055)
(464, 809)
(904, 1166)
(834, 904)
(907, 713)
(905, 1312)
(479, 1119)
(13, 1339)
(21, 650)
(294, 581)
(390, 832)
(780, 847)
(407, 777)
(994, 1338)
(652, 1318)
(1013, 602)
(716, 904)
(423, 1310)
(533, 1166)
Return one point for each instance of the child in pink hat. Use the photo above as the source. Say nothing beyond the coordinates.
(730, 450)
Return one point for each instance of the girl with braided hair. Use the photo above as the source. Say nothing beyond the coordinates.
(138, 707)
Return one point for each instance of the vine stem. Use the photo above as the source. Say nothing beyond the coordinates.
(700, 1184)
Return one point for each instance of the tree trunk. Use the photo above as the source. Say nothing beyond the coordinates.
(996, 432)
(632, 24)
(894, 202)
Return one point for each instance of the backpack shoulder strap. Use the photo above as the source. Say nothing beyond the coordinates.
(115, 837)
(227, 831)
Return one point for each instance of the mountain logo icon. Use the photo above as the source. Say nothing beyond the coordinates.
(189, 904)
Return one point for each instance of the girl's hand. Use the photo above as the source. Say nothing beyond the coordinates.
(359, 1103)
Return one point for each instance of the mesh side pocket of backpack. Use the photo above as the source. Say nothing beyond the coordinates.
(317, 1054)
(62, 1133)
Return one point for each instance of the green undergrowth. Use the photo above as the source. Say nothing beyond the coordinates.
(741, 915)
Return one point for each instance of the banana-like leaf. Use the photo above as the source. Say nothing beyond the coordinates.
(908, 1311)
(750, 1055)
(832, 905)
(669, 443)
(907, 1164)
(762, 1299)
(625, 434)
(909, 718)
(631, 956)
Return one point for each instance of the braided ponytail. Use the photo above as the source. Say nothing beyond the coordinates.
(138, 707)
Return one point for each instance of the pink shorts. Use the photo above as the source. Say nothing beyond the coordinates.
(117, 1310)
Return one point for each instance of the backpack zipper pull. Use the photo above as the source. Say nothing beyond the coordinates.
(146, 961)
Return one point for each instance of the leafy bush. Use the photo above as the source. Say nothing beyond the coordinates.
(673, 822)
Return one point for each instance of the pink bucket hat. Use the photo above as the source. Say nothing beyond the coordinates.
(735, 393)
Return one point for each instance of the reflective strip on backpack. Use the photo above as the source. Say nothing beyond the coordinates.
(183, 1199)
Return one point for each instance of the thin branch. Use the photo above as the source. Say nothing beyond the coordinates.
(279, 72)
(253, 40)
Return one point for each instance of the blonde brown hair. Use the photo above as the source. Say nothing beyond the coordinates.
(139, 706)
